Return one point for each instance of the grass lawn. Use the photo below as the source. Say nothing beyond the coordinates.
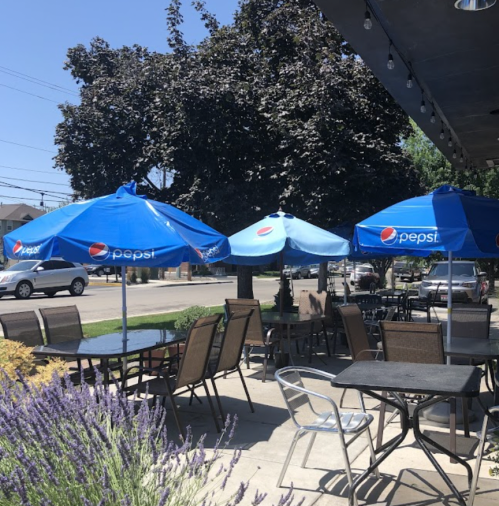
(155, 321)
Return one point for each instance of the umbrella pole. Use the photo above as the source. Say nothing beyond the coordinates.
(449, 303)
(281, 286)
(123, 312)
(345, 295)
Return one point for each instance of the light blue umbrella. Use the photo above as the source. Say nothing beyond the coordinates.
(450, 220)
(122, 229)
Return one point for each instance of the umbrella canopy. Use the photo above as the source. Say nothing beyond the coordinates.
(122, 229)
(446, 220)
(284, 238)
(450, 220)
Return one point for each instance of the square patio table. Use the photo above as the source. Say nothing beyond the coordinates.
(436, 382)
(288, 320)
(108, 346)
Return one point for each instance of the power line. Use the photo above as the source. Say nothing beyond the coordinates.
(31, 181)
(26, 146)
(46, 192)
(28, 93)
(58, 173)
(36, 80)
(27, 198)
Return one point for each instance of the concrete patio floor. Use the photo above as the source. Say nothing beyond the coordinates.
(407, 476)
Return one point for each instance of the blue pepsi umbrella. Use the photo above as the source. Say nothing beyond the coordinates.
(284, 238)
(450, 220)
(122, 229)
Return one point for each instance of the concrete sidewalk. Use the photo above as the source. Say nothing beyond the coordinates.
(408, 478)
(196, 280)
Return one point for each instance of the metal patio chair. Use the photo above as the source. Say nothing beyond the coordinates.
(256, 336)
(190, 374)
(23, 327)
(300, 403)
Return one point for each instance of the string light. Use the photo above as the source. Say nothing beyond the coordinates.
(449, 142)
(409, 81)
(390, 64)
(368, 24)
(423, 104)
(442, 133)
(433, 118)
(461, 159)
(454, 154)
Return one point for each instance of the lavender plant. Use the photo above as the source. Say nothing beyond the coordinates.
(62, 445)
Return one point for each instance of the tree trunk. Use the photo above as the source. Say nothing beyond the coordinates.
(322, 279)
(245, 282)
(491, 271)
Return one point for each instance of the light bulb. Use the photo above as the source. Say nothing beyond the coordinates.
(409, 81)
(423, 106)
(390, 64)
(433, 118)
(368, 24)
(454, 154)
(461, 158)
(449, 142)
(442, 134)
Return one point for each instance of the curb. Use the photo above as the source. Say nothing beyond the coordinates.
(165, 285)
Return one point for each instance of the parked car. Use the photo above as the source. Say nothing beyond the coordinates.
(468, 283)
(101, 270)
(407, 272)
(302, 271)
(314, 271)
(45, 276)
(361, 270)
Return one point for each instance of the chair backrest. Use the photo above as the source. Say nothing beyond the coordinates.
(471, 320)
(197, 349)
(62, 324)
(233, 340)
(355, 330)
(23, 327)
(254, 334)
(419, 343)
(390, 313)
(316, 303)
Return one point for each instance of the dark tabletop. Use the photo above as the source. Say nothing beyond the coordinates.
(431, 379)
(486, 349)
(111, 345)
(291, 318)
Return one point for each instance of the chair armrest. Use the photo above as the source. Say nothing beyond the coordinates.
(268, 337)
(373, 352)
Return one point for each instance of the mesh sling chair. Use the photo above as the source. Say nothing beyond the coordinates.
(64, 324)
(411, 342)
(300, 403)
(255, 335)
(226, 356)
(23, 327)
(357, 339)
(317, 303)
(191, 370)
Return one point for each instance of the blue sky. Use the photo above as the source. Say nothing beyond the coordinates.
(34, 38)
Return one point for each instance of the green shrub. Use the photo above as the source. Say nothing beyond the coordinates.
(133, 277)
(202, 270)
(144, 275)
(366, 280)
(287, 299)
(188, 316)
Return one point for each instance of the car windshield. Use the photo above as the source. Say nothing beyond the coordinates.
(364, 269)
(442, 270)
(25, 265)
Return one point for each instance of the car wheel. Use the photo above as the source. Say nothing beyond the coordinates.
(23, 290)
(99, 272)
(308, 275)
(298, 276)
(50, 294)
(411, 279)
(77, 287)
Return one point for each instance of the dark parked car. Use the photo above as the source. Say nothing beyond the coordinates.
(101, 270)
(407, 272)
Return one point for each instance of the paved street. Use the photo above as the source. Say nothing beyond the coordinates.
(104, 302)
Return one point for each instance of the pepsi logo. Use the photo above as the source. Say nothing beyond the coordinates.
(98, 251)
(17, 248)
(388, 236)
(200, 255)
(262, 232)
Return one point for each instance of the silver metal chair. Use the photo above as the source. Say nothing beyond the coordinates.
(483, 436)
(301, 409)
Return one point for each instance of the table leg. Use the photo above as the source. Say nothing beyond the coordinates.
(385, 450)
(421, 439)
(105, 367)
(324, 330)
(452, 427)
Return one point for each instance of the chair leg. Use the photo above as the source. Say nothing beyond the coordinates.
(212, 408)
(176, 416)
(309, 448)
(371, 449)
(265, 363)
(245, 389)
(342, 397)
(296, 437)
(466, 418)
(479, 456)
(217, 397)
(247, 348)
(348, 469)
(324, 330)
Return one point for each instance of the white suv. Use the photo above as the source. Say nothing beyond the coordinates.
(46, 276)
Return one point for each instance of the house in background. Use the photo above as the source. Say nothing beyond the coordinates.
(13, 216)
